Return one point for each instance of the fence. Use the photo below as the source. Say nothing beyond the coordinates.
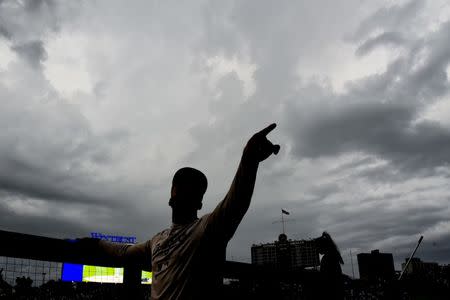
(39, 271)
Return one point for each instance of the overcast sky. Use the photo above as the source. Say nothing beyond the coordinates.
(102, 101)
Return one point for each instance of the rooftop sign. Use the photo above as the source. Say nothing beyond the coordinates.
(114, 238)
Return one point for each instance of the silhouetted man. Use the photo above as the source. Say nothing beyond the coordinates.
(187, 258)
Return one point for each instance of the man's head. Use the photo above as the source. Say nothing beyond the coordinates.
(188, 187)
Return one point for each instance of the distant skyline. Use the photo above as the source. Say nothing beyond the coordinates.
(102, 102)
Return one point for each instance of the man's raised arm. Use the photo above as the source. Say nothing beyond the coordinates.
(123, 254)
(225, 218)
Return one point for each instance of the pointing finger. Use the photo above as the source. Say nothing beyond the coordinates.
(268, 129)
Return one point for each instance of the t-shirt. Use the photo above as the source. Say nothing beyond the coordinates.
(187, 259)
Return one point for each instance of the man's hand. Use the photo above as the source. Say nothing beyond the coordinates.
(259, 148)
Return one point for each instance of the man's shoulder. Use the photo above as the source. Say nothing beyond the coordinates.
(204, 218)
(160, 234)
(163, 232)
(197, 224)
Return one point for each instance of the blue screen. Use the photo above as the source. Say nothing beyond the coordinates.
(72, 272)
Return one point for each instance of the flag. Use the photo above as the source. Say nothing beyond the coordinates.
(284, 212)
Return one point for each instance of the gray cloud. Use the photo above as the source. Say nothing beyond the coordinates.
(386, 38)
(35, 5)
(33, 52)
(382, 130)
(362, 163)
(389, 18)
(379, 115)
(55, 168)
(25, 23)
(4, 31)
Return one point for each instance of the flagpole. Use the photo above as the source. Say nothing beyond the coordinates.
(282, 220)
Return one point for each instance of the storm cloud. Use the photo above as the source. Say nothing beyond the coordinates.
(101, 103)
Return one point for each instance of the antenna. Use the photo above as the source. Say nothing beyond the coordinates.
(283, 221)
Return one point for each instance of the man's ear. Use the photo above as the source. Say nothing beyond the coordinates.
(173, 191)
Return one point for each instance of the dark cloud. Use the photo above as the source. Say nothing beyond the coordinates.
(26, 179)
(353, 165)
(380, 114)
(389, 18)
(54, 225)
(384, 130)
(363, 163)
(377, 120)
(26, 23)
(70, 220)
(33, 52)
(37, 164)
(53, 163)
(35, 5)
(387, 38)
(4, 31)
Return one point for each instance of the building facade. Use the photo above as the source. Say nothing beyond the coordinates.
(286, 254)
(376, 265)
(419, 268)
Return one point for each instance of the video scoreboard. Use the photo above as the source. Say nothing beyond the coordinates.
(88, 273)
